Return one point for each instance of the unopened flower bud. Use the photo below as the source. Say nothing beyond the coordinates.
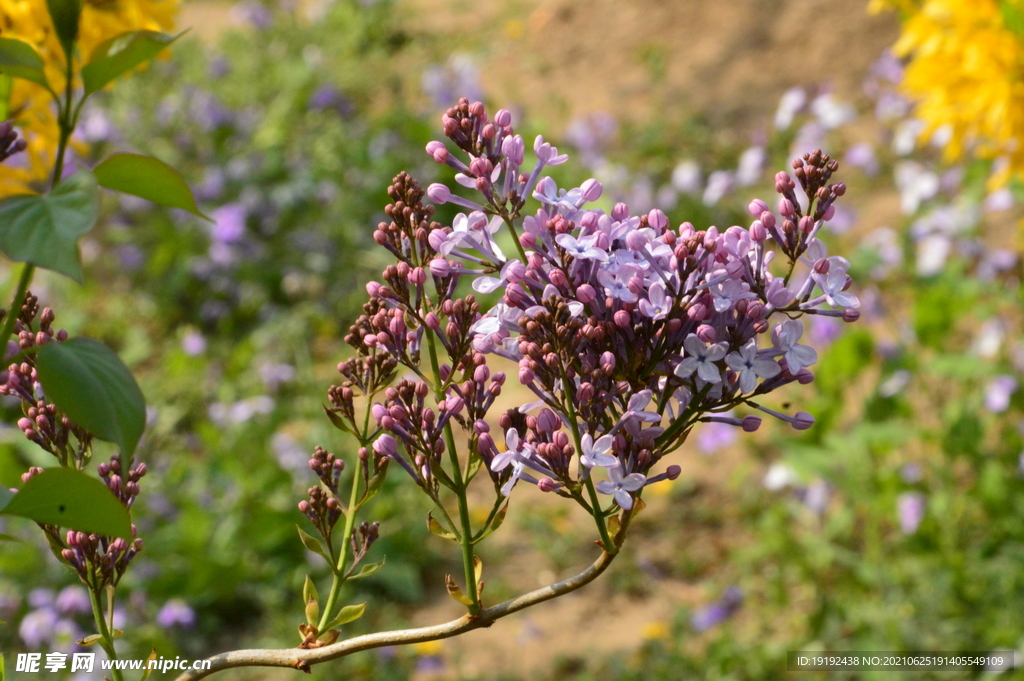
(586, 293)
(620, 212)
(806, 224)
(622, 319)
(547, 485)
(636, 241)
(386, 445)
(438, 193)
(484, 443)
(756, 207)
(751, 423)
(802, 420)
(707, 333)
(851, 315)
(673, 472)
(547, 421)
(591, 190)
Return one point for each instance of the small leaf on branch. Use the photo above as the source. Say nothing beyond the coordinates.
(149, 670)
(309, 592)
(120, 54)
(455, 592)
(89, 640)
(88, 382)
(312, 543)
(336, 420)
(478, 567)
(147, 178)
(20, 60)
(312, 611)
(65, 15)
(44, 229)
(367, 570)
(499, 518)
(350, 613)
(435, 527)
(7, 537)
(69, 498)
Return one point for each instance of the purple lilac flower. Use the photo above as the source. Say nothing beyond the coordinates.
(37, 627)
(862, 155)
(715, 436)
(176, 613)
(228, 223)
(910, 508)
(712, 615)
(620, 486)
(998, 393)
(73, 600)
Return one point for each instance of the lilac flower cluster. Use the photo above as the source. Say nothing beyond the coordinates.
(41, 423)
(627, 331)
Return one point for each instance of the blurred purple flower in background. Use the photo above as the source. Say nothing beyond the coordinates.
(73, 600)
(37, 627)
(193, 344)
(998, 393)
(176, 613)
(715, 436)
(910, 508)
(712, 615)
(229, 223)
(458, 78)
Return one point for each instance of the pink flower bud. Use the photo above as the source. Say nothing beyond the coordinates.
(455, 404)
(527, 240)
(757, 231)
(673, 472)
(385, 445)
(481, 167)
(751, 423)
(437, 151)
(557, 277)
(607, 361)
(620, 212)
(372, 289)
(547, 421)
(477, 109)
(378, 411)
(829, 213)
(560, 439)
(756, 207)
(526, 375)
(439, 267)
(481, 374)
(802, 420)
(821, 266)
(804, 376)
(591, 190)
(657, 219)
(484, 443)
(755, 309)
(489, 131)
(586, 293)
(806, 224)
(547, 485)
(438, 193)
(503, 118)
(851, 315)
(706, 333)
(417, 276)
(786, 208)
(636, 241)
(622, 319)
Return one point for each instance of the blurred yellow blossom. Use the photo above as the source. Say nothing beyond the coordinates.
(30, 105)
(965, 73)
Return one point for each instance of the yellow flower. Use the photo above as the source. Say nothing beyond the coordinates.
(965, 73)
(30, 105)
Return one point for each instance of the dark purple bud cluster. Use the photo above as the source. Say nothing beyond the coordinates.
(323, 508)
(407, 236)
(361, 540)
(813, 172)
(42, 423)
(10, 143)
(99, 561)
(124, 484)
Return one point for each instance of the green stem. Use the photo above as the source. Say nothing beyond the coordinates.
(515, 239)
(466, 540)
(17, 301)
(602, 528)
(339, 570)
(107, 639)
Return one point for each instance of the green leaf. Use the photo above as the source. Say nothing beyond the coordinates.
(20, 60)
(65, 15)
(312, 611)
(367, 570)
(149, 670)
(148, 178)
(7, 537)
(69, 498)
(350, 613)
(5, 497)
(435, 527)
(88, 382)
(455, 592)
(89, 640)
(120, 54)
(6, 84)
(313, 544)
(44, 229)
(309, 592)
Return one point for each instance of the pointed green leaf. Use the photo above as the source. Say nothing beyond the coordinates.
(88, 382)
(20, 60)
(435, 527)
(309, 592)
(89, 640)
(44, 229)
(455, 592)
(148, 178)
(336, 420)
(313, 544)
(367, 570)
(69, 498)
(312, 612)
(5, 497)
(7, 537)
(149, 670)
(65, 15)
(350, 613)
(120, 54)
